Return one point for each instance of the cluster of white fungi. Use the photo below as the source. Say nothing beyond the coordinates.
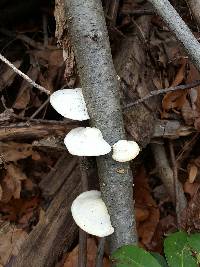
(88, 209)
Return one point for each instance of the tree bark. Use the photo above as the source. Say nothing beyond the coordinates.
(179, 28)
(101, 92)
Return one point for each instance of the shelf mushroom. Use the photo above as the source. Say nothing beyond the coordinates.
(86, 141)
(125, 150)
(70, 104)
(91, 215)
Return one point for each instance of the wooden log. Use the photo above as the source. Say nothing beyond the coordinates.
(56, 230)
(34, 129)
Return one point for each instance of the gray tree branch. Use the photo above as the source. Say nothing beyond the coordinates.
(101, 92)
(179, 28)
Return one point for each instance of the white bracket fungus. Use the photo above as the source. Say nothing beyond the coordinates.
(70, 104)
(86, 141)
(91, 215)
(125, 150)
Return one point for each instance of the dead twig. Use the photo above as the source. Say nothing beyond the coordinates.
(24, 76)
(100, 253)
(45, 30)
(82, 253)
(187, 148)
(82, 249)
(138, 12)
(163, 91)
(40, 108)
(180, 204)
(166, 175)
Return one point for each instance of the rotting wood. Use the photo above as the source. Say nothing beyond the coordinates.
(171, 129)
(56, 229)
(53, 181)
(101, 92)
(34, 130)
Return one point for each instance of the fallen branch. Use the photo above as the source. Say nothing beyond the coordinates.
(180, 205)
(163, 91)
(24, 76)
(34, 130)
(101, 92)
(169, 179)
(179, 28)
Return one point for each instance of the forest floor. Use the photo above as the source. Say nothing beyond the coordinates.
(38, 176)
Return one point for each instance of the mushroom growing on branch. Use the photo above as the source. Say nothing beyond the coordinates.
(70, 104)
(87, 141)
(91, 215)
(125, 150)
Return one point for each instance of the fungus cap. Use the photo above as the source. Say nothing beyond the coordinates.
(70, 104)
(86, 141)
(91, 215)
(125, 150)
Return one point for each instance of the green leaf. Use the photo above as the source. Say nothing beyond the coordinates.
(133, 256)
(160, 259)
(178, 251)
(194, 242)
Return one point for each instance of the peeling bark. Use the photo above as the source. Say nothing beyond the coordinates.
(101, 92)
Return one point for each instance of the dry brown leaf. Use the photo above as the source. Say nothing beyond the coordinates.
(23, 96)
(53, 61)
(188, 113)
(191, 215)
(11, 184)
(72, 259)
(193, 75)
(8, 75)
(11, 240)
(51, 57)
(17, 209)
(174, 100)
(190, 188)
(165, 225)
(12, 151)
(141, 214)
(192, 172)
(144, 200)
(180, 74)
